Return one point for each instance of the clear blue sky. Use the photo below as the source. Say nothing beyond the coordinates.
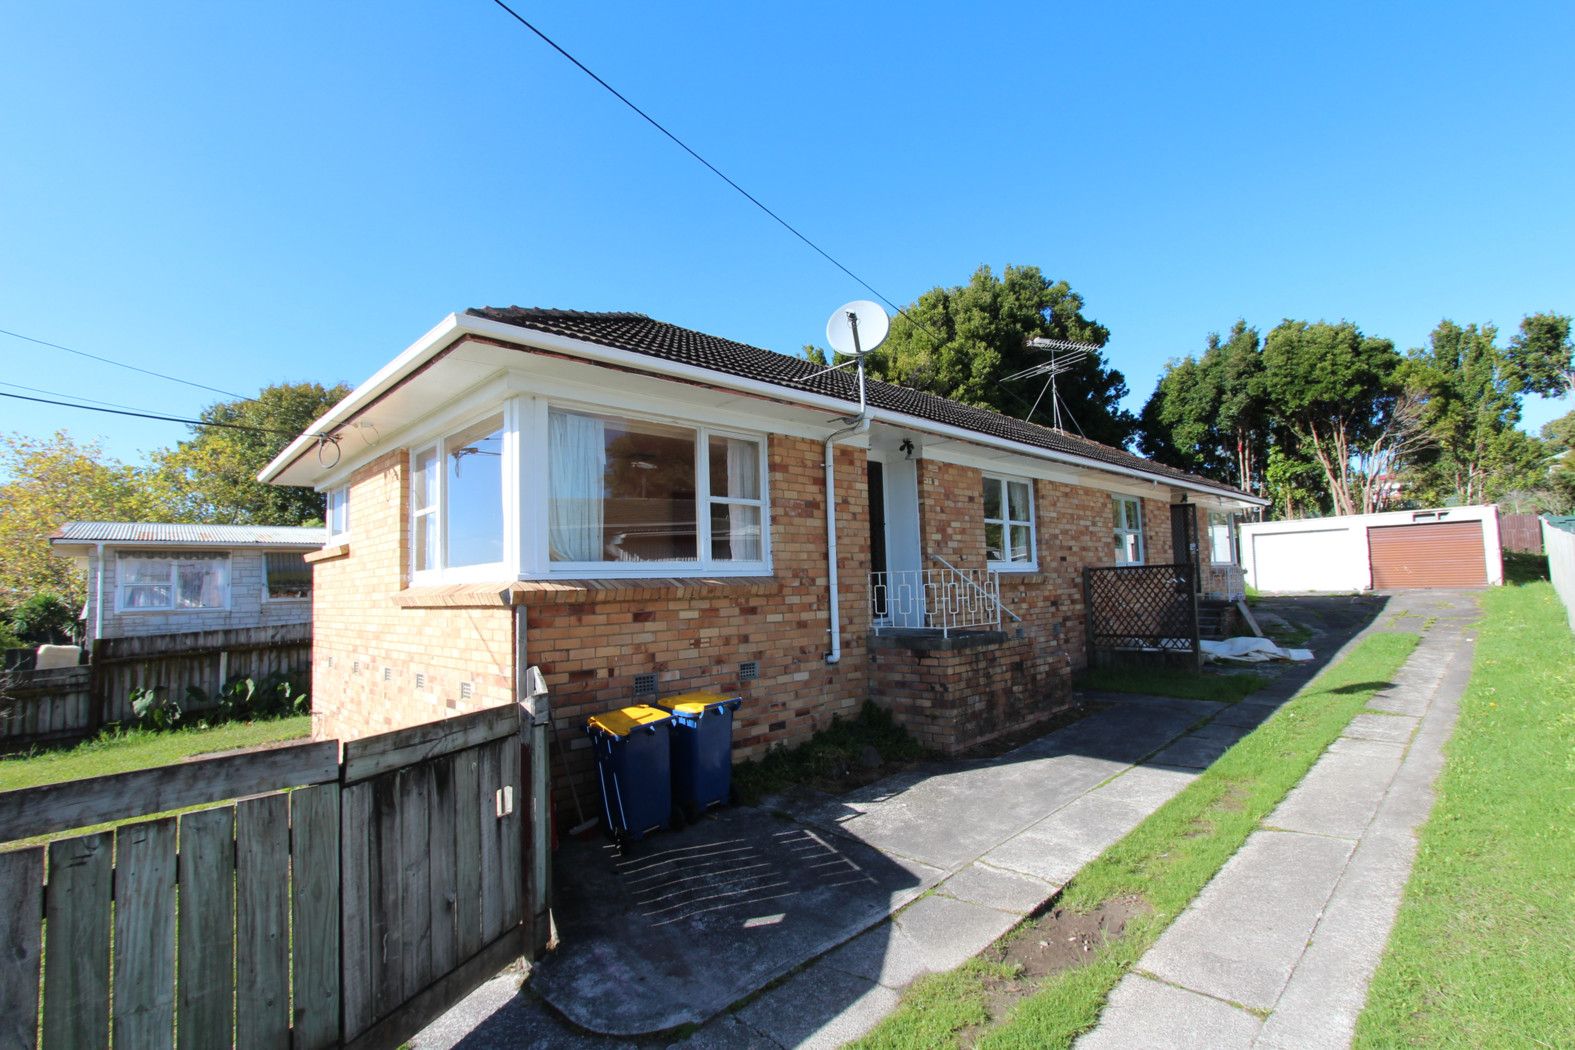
(250, 193)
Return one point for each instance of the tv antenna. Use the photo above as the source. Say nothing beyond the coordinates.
(1070, 354)
(853, 330)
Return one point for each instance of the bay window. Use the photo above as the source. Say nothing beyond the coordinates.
(1009, 524)
(170, 581)
(1127, 513)
(456, 499)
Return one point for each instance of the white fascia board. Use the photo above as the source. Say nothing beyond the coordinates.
(455, 325)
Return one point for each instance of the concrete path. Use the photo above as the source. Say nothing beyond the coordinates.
(983, 844)
(1278, 949)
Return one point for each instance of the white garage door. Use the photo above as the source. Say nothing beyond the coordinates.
(1301, 561)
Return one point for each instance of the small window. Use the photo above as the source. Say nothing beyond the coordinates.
(173, 580)
(456, 499)
(1009, 523)
(1127, 513)
(1222, 546)
(338, 513)
(287, 576)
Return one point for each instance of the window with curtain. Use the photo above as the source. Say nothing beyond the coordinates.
(287, 576)
(1222, 548)
(173, 580)
(1127, 513)
(1008, 523)
(630, 491)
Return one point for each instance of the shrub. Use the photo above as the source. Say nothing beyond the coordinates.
(44, 619)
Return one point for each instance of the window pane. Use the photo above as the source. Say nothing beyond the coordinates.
(134, 571)
(474, 494)
(1118, 513)
(423, 479)
(735, 532)
(1132, 553)
(201, 584)
(147, 597)
(1017, 493)
(993, 546)
(992, 498)
(339, 511)
(735, 468)
(1022, 543)
(425, 542)
(288, 575)
(620, 490)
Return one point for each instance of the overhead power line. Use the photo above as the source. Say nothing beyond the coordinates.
(122, 364)
(681, 144)
(149, 415)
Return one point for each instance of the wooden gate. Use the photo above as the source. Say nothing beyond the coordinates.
(307, 903)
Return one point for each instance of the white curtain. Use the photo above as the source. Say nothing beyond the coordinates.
(743, 482)
(577, 454)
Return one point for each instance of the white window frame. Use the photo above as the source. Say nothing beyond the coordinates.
(337, 506)
(172, 559)
(438, 511)
(1142, 543)
(1006, 521)
(704, 564)
(268, 598)
(1230, 536)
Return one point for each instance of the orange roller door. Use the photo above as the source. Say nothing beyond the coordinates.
(1436, 554)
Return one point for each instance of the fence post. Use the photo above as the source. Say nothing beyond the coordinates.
(1197, 635)
(1088, 616)
(535, 710)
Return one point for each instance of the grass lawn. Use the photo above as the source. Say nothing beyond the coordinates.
(1192, 685)
(1481, 951)
(1165, 862)
(140, 749)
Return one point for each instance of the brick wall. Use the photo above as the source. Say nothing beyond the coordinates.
(248, 607)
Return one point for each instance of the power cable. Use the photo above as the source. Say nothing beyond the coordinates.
(154, 415)
(681, 144)
(122, 364)
(64, 393)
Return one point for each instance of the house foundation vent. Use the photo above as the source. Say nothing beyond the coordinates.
(421, 680)
(749, 670)
(645, 685)
(464, 690)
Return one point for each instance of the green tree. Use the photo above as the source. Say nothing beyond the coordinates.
(55, 480)
(1542, 355)
(1336, 393)
(969, 338)
(212, 476)
(1208, 414)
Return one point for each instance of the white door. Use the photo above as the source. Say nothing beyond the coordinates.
(1302, 561)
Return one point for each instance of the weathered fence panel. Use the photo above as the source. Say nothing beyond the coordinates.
(42, 706)
(1142, 612)
(1520, 532)
(1558, 538)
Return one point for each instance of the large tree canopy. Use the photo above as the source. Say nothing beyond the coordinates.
(212, 476)
(1542, 355)
(963, 341)
(1209, 414)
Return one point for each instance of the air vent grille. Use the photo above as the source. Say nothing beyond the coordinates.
(749, 670)
(645, 684)
(464, 690)
(421, 680)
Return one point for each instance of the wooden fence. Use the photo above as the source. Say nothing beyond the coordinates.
(1558, 538)
(1520, 532)
(48, 705)
(335, 903)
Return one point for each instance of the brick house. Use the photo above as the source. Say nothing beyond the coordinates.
(637, 507)
(146, 579)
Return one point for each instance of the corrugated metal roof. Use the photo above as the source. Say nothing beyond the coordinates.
(189, 535)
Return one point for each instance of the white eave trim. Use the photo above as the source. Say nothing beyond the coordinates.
(455, 326)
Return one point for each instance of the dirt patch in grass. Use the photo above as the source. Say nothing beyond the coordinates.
(1061, 939)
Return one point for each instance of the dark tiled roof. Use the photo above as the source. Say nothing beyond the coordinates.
(643, 335)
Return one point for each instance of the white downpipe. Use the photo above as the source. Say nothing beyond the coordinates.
(98, 601)
(859, 426)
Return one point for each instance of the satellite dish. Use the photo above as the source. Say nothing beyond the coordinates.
(856, 328)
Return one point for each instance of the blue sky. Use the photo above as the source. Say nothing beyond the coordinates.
(244, 194)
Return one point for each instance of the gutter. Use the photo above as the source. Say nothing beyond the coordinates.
(456, 326)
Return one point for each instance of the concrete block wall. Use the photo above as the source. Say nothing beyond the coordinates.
(248, 606)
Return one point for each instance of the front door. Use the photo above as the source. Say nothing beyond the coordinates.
(1184, 539)
(898, 597)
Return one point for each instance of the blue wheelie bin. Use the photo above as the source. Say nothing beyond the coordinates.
(633, 765)
(702, 743)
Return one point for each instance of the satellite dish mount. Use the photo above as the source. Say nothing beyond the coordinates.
(853, 330)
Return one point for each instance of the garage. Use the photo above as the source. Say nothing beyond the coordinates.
(1298, 561)
(1434, 554)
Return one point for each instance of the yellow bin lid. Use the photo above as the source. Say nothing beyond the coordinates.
(694, 703)
(626, 720)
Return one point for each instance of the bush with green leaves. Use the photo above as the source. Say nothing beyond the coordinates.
(44, 619)
(244, 698)
(154, 708)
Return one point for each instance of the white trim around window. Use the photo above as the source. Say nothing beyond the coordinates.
(172, 581)
(1010, 535)
(336, 514)
(461, 487)
(1127, 519)
(1222, 537)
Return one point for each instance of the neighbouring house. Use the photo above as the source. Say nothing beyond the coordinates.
(159, 579)
(1442, 547)
(640, 509)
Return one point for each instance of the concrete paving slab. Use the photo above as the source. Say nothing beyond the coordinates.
(1145, 1014)
(886, 955)
(950, 932)
(819, 1007)
(1350, 745)
(498, 1015)
(721, 909)
(724, 1033)
(1241, 937)
(1248, 716)
(1394, 729)
(1146, 788)
(1056, 847)
(997, 888)
(1338, 796)
(1191, 752)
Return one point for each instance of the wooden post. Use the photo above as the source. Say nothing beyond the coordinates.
(535, 713)
(1088, 615)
